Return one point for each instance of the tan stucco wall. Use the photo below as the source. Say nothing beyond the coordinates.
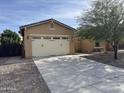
(88, 45)
(106, 46)
(77, 42)
(103, 44)
(44, 29)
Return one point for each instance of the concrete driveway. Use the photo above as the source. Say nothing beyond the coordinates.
(73, 74)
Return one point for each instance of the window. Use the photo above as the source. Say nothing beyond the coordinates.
(36, 37)
(64, 37)
(97, 44)
(51, 25)
(47, 37)
(56, 37)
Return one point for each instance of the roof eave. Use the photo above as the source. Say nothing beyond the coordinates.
(45, 21)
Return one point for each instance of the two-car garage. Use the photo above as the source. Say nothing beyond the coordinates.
(47, 38)
(50, 45)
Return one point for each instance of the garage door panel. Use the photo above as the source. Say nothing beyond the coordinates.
(35, 47)
(48, 47)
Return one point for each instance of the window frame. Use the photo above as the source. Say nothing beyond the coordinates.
(56, 38)
(47, 37)
(36, 37)
(65, 38)
(97, 44)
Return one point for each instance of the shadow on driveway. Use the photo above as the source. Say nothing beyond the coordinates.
(74, 74)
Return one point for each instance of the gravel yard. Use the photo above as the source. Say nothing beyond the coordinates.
(108, 58)
(19, 75)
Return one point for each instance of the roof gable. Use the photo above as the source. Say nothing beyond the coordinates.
(46, 21)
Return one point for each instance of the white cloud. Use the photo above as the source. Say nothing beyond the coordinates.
(28, 11)
(67, 14)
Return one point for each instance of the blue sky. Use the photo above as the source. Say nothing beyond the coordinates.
(14, 13)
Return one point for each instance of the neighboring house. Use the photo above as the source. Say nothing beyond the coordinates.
(46, 38)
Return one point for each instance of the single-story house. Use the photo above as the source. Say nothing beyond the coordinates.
(88, 46)
(46, 38)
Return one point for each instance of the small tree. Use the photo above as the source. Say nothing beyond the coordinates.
(104, 21)
(9, 37)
